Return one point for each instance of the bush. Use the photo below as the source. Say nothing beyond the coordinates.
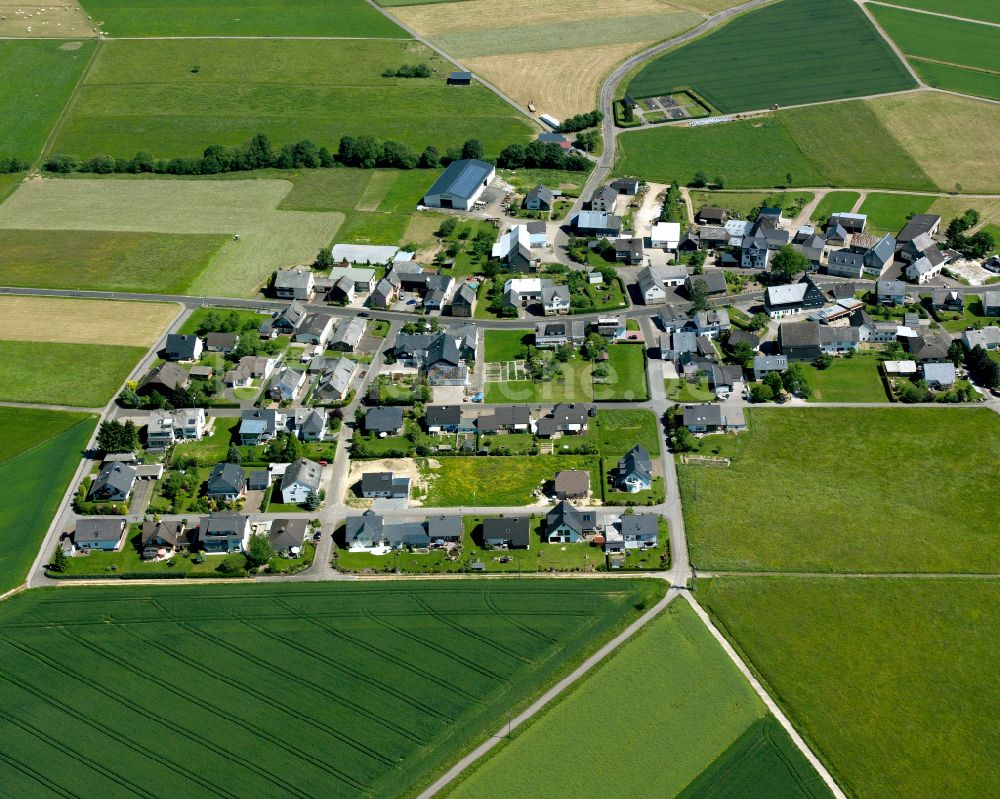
(233, 564)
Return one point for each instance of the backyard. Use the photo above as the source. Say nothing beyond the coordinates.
(855, 379)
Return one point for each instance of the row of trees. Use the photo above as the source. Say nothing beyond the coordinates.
(581, 122)
(978, 245)
(408, 71)
(541, 155)
(118, 436)
(10, 165)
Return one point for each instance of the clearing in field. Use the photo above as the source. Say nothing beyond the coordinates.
(893, 672)
(268, 239)
(845, 43)
(84, 321)
(694, 708)
(177, 97)
(864, 519)
(232, 18)
(887, 213)
(38, 78)
(37, 448)
(386, 683)
(41, 20)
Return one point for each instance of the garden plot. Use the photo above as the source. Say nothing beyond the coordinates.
(268, 239)
(505, 372)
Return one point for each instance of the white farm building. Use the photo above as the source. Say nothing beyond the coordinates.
(460, 185)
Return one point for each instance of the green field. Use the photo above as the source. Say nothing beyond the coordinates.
(39, 77)
(843, 43)
(888, 213)
(37, 449)
(959, 79)
(985, 10)
(105, 261)
(279, 690)
(835, 202)
(232, 18)
(145, 95)
(619, 431)
(742, 203)
(888, 679)
(847, 380)
(55, 373)
(626, 375)
(498, 481)
(505, 345)
(820, 490)
(694, 707)
(575, 384)
(941, 39)
(767, 151)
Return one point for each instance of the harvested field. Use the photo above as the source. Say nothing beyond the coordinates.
(136, 324)
(950, 207)
(558, 82)
(45, 20)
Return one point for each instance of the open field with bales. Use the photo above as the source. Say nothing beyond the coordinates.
(846, 44)
(39, 452)
(230, 18)
(38, 79)
(177, 97)
(697, 708)
(864, 519)
(84, 321)
(387, 683)
(44, 21)
(893, 672)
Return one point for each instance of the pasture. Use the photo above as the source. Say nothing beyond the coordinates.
(937, 38)
(42, 21)
(268, 238)
(864, 519)
(38, 79)
(176, 97)
(233, 18)
(104, 260)
(893, 672)
(37, 448)
(845, 44)
(381, 685)
(497, 481)
(694, 708)
(835, 202)
(84, 321)
(887, 213)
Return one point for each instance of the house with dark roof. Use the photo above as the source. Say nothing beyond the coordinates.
(793, 298)
(711, 215)
(287, 384)
(555, 333)
(571, 484)
(947, 300)
(714, 283)
(763, 365)
(463, 304)
(640, 530)
(224, 532)
(505, 419)
(158, 536)
(106, 533)
(260, 425)
(459, 78)
(673, 317)
(846, 263)
(294, 284)
(460, 185)
(221, 342)
(309, 424)
(917, 225)
(566, 418)
(565, 524)
(539, 198)
(113, 483)
(300, 479)
(714, 418)
(890, 292)
(387, 420)
(635, 471)
(286, 535)
(626, 186)
(630, 251)
(315, 329)
(438, 354)
(445, 530)
(226, 482)
(806, 341)
(442, 418)
(507, 533)
(166, 379)
(738, 336)
(930, 345)
(290, 318)
(603, 199)
(598, 224)
(180, 347)
(384, 484)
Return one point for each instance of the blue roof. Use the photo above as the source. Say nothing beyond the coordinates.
(461, 178)
(252, 426)
(461, 75)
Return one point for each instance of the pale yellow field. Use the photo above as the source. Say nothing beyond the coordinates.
(561, 82)
(136, 324)
(954, 139)
(950, 207)
(705, 6)
(62, 20)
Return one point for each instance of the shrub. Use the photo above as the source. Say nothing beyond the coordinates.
(233, 564)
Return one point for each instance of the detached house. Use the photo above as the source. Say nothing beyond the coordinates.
(105, 533)
(635, 471)
(166, 428)
(640, 530)
(566, 418)
(287, 385)
(315, 329)
(162, 537)
(565, 524)
(572, 484)
(463, 304)
(712, 418)
(385, 485)
(300, 479)
(890, 292)
(290, 318)
(294, 284)
(224, 533)
(227, 482)
(555, 300)
(113, 483)
(182, 347)
(539, 198)
(507, 533)
(335, 382)
(260, 426)
(781, 301)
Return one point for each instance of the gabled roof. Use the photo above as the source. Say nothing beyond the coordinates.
(304, 471)
(226, 478)
(286, 533)
(574, 518)
(516, 531)
(919, 223)
(384, 419)
(438, 415)
(636, 461)
(116, 477)
(542, 192)
(640, 525)
(104, 528)
(182, 345)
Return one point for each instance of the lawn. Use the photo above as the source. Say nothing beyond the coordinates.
(888, 213)
(970, 316)
(619, 431)
(105, 261)
(693, 707)
(846, 44)
(383, 684)
(820, 490)
(37, 448)
(176, 97)
(506, 345)
(626, 379)
(888, 679)
(854, 379)
(81, 375)
(834, 202)
(574, 384)
(940, 39)
(229, 18)
(211, 449)
(569, 183)
(497, 481)
(742, 203)
(39, 77)
(682, 391)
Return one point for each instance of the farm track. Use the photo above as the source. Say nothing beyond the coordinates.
(929, 13)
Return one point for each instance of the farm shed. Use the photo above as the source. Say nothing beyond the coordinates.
(460, 185)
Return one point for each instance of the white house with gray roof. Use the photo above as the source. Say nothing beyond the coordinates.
(299, 480)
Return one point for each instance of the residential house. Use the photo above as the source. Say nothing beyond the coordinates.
(165, 428)
(948, 300)
(890, 292)
(565, 524)
(640, 530)
(505, 419)
(991, 302)
(513, 248)
(443, 530)
(249, 368)
(335, 383)
(877, 253)
(521, 292)
(672, 318)
(439, 289)
(737, 336)
(919, 224)
(113, 483)
(836, 235)
(846, 263)
(363, 278)
(654, 280)
(460, 185)
(675, 345)
(301, 478)
(725, 378)
(557, 333)
(566, 418)
(224, 533)
(714, 418)
(221, 342)
(384, 421)
(347, 335)
(180, 347)
(315, 329)
(105, 533)
(572, 484)
(294, 284)
(926, 267)
(287, 385)
(539, 198)
(713, 283)
(630, 251)
(226, 482)
(598, 224)
(365, 531)
(871, 331)
(763, 365)
(764, 238)
(555, 300)
(376, 485)
(507, 533)
(287, 535)
(711, 215)
(463, 304)
(635, 471)
(290, 318)
(611, 326)
(665, 236)
(440, 355)
(939, 375)
(793, 298)
(712, 323)
(930, 345)
(258, 426)
(988, 338)
(604, 198)
(162, 537)
(309, 424)
(442, 418)
(712, 238)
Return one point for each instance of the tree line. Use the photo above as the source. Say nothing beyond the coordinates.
(581, 122)
(10, 165)
(541, 155)
(978, 245)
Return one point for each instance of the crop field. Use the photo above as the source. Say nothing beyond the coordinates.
(232, 18)
(84, 321)
(268, 238)
(887, 213)
(791, 148)
(835, 202)
(936, 38)
(497, 481)
(176, 97)
(279, 690)
(39, 77)
(893, 672)
(104, 260)
(863, 519)
(983, 10)
(696, 707)
(37, 448)
(958, 79)
(844, 42)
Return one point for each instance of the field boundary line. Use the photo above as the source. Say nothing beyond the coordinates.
(709, 573)
(765, 697)
(930, 13)
(545, 699)
(891, 43)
